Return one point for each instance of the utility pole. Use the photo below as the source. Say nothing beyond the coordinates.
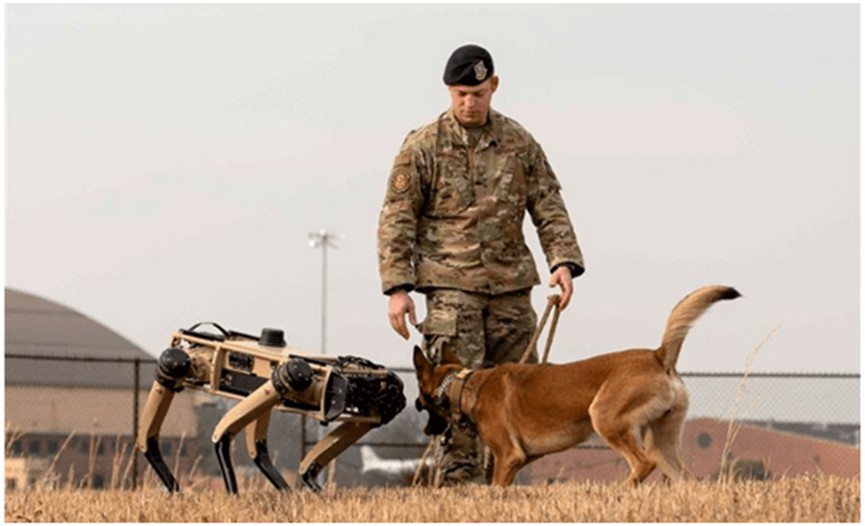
(323, 239)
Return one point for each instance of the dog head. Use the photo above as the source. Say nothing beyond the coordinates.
(432, 397)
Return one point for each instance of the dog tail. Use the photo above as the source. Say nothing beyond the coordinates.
(684, 314)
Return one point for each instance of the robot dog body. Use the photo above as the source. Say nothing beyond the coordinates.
(265, 374)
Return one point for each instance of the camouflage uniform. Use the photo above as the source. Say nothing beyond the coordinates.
(452, 227)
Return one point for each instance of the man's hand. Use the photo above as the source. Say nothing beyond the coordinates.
(562, 277)
(399, 304)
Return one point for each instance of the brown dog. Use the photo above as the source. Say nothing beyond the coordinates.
(523, 411)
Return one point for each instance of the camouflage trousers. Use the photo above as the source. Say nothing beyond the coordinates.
(483, 331)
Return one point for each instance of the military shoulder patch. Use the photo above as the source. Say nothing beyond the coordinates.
(399, 181)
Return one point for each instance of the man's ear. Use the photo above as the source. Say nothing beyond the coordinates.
(420, 362)
(495, 83)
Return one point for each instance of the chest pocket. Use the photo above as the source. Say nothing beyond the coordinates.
(512, 187)
(451, 190)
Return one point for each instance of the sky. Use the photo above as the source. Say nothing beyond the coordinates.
(165, 165)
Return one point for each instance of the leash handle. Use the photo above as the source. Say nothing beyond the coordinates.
(552, 330)
(552, 300)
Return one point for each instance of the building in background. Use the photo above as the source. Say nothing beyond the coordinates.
(72, 421)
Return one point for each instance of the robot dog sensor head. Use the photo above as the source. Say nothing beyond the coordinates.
(272, 338)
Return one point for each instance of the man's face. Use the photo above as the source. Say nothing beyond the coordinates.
(471, 104)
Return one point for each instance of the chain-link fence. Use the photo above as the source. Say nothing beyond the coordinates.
(62, 431)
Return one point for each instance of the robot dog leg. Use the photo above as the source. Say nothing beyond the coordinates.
(173, 366)
(256, 446)
(253, 408)
(294, 381)
(328, 449)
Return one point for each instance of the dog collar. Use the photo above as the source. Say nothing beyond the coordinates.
(442, 391)
(461, 378)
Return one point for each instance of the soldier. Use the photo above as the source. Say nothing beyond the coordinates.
(451, 227)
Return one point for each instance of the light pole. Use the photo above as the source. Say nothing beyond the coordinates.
(323, 239)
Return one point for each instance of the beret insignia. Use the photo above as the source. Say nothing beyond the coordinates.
(480, 70)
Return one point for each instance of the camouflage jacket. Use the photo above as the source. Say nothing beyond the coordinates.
(453, 215)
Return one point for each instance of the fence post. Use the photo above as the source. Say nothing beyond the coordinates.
(302, 437)
(136, 390)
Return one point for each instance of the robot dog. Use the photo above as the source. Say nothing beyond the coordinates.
(263, 373)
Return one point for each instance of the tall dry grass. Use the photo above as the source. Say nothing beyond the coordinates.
(815, 498)
(734, 426)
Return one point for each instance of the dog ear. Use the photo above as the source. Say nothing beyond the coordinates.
(420, 360)
(448, 356)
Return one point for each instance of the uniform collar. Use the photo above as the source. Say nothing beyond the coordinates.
(459, 135)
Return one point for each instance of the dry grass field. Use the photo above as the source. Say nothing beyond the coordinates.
(795, 499)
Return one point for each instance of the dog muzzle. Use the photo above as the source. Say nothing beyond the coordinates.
(436, 424)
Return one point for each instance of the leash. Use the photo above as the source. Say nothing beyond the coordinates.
(552, 301)
(417, 474)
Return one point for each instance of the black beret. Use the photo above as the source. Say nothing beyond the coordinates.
(468, 65)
